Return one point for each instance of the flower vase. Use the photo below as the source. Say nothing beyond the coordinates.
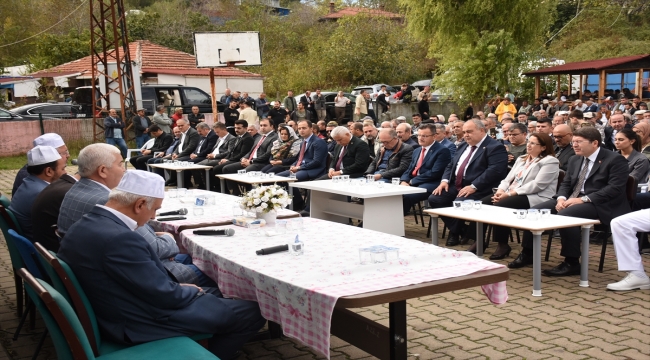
(269, 217)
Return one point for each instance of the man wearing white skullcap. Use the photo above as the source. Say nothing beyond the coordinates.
(48, 139)
(44, 165)
(128, 287)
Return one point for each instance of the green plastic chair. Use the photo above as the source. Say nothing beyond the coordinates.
(7, 222)
(66, 283)
(71, 342)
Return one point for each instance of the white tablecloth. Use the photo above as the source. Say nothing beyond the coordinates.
(300, 292)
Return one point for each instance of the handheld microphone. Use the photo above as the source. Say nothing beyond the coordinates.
(182, 211)
(272, 250)
(172, 218)
(219, 232)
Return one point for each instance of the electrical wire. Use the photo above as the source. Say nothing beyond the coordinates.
(48, 29)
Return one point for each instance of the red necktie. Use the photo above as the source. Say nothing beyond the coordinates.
(420, 160)
(461, 169)
(338, 163)
(302, 153)
(257, 147)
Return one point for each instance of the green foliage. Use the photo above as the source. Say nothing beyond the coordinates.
(50, 50)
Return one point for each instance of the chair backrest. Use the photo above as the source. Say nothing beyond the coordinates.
(6, 224)
(630, 188)
(4, 201)
(27, 253)
(63, 325)
(66, 287)
(13, 223)
(560, 178)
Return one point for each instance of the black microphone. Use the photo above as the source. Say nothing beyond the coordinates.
(220, 232)
(172, 218)
(182, 211)
(272, 250)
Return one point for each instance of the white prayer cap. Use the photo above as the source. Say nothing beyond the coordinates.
(142, 183)
(40, 155)
(588, 115)
(640, 112)
(49, 139)
(563, 98)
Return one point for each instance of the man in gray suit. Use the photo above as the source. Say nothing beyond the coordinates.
(189, 141)
(258, 157)
(161, 119)
(224, 145)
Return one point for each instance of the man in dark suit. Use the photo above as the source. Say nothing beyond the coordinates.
(129, 288)
(392, 159)
(162, 143)
(189, 141)
(563, 136)
(425, 172)
(479, 165)
(593, 188)
(243, 145)
(167, 154)
(258, 157)
(206, 143)
(441, 137)
(311, 162)
(307, 102)
(141, 123)
(224, 145)
(351, 155)
(45, 211)
(616, 124)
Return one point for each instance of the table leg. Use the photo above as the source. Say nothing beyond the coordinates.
(207, 179)
(179, 178)
(382, 214)
(290, 191)
(434, 230)
(223, 185)
(397, 325)
(479, 238)
(537, 263)
(584, 265)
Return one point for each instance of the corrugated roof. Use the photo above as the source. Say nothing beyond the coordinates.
(586, 66)
(150, 56)
(351, 11)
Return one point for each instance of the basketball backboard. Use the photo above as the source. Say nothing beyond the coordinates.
(216, 49)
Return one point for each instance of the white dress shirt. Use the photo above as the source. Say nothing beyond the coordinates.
(130, 223)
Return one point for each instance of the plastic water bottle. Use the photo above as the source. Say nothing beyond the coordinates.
(297, 247)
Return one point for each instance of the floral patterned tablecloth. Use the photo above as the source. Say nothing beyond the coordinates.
(299, 292)
(219, 214)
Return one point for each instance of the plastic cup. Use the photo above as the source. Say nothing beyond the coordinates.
(395, 181)
(292, 175)
(297, 223)
(533, 214)
(458, 204)
(477, 204)
(467, 205)
(236, 210)
(242, 171)
(521, 213)
(336, 179)
(271, 174)
(370, 178)
(545, 213)
(198, 211)
(172, 193)
(255, 229)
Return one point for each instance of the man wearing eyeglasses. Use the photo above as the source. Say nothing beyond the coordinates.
(517, 138)
(564, 149)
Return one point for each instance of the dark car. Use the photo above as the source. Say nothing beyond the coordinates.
(6, 115)
(171, 96)
(47, 110)
(330, 114)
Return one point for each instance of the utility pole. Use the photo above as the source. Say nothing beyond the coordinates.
(112, 74)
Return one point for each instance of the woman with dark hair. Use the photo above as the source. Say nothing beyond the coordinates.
(283, 151)
(531, 181)
(628, 144)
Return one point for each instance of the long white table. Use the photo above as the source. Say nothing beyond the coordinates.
(251, 180)
(382, 209)
(179, 171)
(495, 215)
(309, 294)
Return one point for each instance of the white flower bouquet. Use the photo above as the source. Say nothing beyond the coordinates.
(264, 199)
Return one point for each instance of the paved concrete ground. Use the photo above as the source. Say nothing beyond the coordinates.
(568, 322)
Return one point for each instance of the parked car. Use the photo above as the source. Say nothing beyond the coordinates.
(374, 90)
(329, 104)
(6, 115)
(47, 110)
(171, 96)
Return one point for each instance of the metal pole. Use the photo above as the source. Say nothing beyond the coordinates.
(213, 92)
(40, 120)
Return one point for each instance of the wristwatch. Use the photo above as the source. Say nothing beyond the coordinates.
(585, 199)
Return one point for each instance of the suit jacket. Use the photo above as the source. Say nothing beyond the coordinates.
(398, 161)
(225, 146)
(127, 285)
(638, 165)
(486, 169)
(314, 161)
(207, 144)
(308, 102)
(45, 211)
(433, 166)
(166, 248)
(242, 146)
(139, 127)
(566, 154)
(264, 151)
(78, 201)
(22, 201)
(605, 184)
(190, 142)
(163, 122)
(607, 141)
(162, 143)
(356, 158)
(110, 125)
(539, 180)
(449, 145)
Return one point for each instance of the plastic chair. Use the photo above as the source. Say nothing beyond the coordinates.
(71, 342)
(6, 223)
